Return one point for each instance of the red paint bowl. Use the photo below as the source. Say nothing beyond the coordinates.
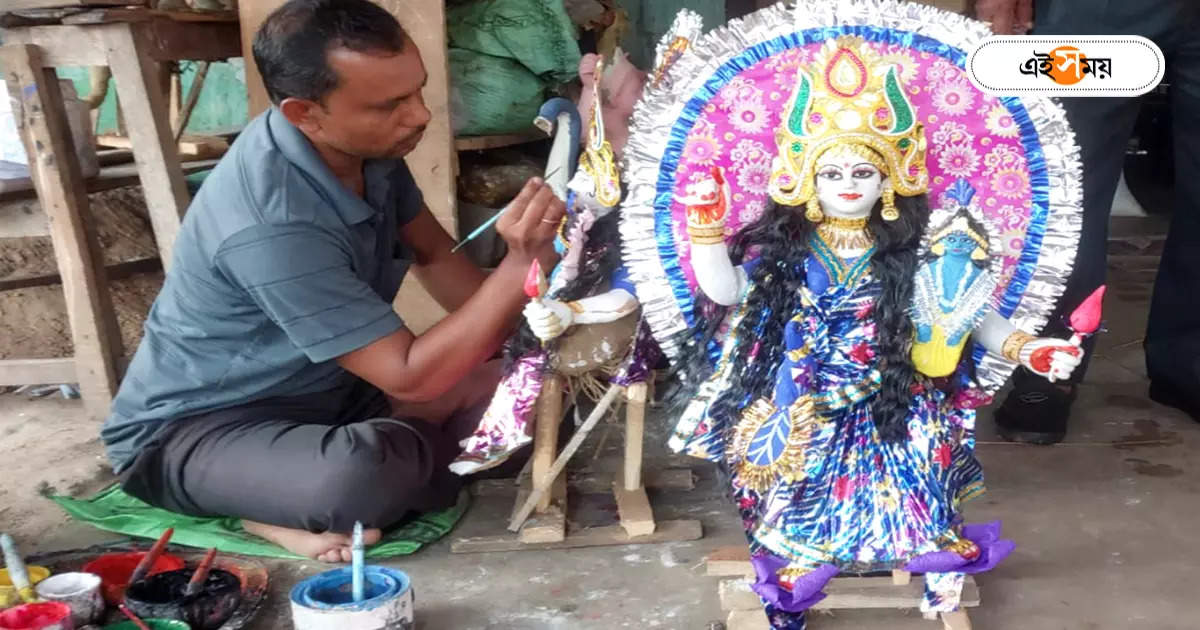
(40, 616)
(114, 570)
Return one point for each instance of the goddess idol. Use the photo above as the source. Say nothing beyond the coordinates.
(834, 333)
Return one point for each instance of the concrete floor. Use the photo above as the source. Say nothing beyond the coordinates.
(1105, 526)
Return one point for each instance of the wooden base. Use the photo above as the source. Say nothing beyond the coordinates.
(757, 620)
(847, 593)
(634, 508)
(666, 531)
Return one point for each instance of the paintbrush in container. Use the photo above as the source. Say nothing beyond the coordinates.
(137, 621)
(357, 565)
(196, 584)
(151, 556)
(17, 574)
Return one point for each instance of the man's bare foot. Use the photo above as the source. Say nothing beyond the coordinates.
(327, 547)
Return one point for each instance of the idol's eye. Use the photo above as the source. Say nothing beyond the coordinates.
(864, 173)
(831, 174)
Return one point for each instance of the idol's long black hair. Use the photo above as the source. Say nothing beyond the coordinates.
(601, 256)
(780, 239)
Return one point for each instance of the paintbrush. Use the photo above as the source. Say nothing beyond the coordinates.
(151, 556)
(17, 573)
(481, 229)
(137, 621)
(196, 584)
(357, 567)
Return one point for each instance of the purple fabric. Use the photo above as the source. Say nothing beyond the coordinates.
(641, 360)
(805, 592)
(507, 424)
(992, 550)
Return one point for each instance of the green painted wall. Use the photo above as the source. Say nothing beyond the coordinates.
(222, 104)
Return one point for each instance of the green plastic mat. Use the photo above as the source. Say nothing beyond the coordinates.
(113, 510)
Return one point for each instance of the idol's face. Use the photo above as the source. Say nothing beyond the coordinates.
(847, 185)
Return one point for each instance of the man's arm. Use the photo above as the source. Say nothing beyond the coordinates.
(451, 278)
(419, 369)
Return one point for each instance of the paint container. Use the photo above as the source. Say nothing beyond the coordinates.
(8, 594)
(39, 616)
(114, 570)
(161, 596)
(154, 624)
(80, 591)
(325, 601)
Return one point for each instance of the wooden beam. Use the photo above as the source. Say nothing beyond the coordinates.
(54, 167)
(142, 14)
(164, 40)
(114, 272)
(667, 531)
(37, 371)
(848, 593)
(480, 143)
(135, 76)
(110, 177)
(669, 479)
(21, 5)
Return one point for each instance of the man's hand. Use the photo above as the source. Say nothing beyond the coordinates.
(532, 219)
(1008, 17)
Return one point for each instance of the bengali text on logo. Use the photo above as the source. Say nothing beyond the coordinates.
(1092, 65)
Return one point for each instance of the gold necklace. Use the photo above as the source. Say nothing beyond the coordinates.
(842, 234)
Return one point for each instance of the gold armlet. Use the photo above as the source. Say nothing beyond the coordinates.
(706, 235)
(1014, 344)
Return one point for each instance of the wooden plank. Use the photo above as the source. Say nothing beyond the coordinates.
(633, 506)
(635, 435)
(143, 14)
(480, 143)
(545, 438)
(55, 172)
(114, 272)
(549, 525)
(667, 531)
(747, 620)
(110, 177)
(956, 620)
(847, 593)
(166, 40)
(37, 371)
(901, 577)
(672, 479)
(434, 162)
(149, 128)
(189, 147)
(733, 560)
(20, 5)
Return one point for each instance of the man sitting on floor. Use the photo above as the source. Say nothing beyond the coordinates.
(274, 382)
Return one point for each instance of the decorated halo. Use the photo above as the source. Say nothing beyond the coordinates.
(720, 103)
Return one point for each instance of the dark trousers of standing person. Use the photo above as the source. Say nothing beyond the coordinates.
(1036, 411)
(317, 462)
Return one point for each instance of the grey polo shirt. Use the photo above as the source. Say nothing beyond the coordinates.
(278, 269)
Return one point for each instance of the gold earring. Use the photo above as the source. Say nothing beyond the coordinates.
(889, 213)
(938, 249)
(979, 254)
(813, 212)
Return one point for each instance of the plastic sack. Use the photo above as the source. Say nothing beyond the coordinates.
(535, 33)
(491, 95)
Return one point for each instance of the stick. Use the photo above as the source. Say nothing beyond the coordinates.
(17, 574)
(541, 486)
(480, 230)
(185, 114)
(134, 618)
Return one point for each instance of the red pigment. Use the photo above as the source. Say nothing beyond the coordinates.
(34, 616)
(114, 570)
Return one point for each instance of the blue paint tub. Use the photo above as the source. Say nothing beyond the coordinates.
(324, 601)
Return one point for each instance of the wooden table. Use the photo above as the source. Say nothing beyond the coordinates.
(132, 46)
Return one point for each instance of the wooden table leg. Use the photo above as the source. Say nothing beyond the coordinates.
(54, 168)
(144, 105)
(633, 505)
(549, 522)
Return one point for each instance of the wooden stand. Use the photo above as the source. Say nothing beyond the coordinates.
(898, 591)
(547, 528)
(133, 50)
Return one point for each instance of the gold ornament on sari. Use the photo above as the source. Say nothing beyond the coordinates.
(850, 100)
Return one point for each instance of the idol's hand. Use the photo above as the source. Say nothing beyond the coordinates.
(548, 318)
(1055, 359)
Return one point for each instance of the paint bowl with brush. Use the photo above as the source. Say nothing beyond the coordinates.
(361, 597)
(80, 591)
(114, 570)
(204, 598)
(8, 593)
(38, 616)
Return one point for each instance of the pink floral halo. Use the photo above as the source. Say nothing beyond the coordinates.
(971, 135)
